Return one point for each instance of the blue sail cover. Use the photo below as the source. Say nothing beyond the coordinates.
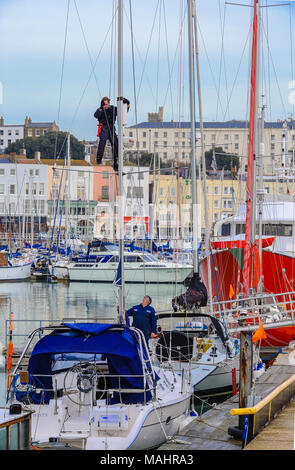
(118, 346)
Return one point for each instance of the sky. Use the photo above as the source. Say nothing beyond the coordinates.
(47, 78)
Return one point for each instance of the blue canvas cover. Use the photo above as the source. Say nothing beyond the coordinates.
(119, 346)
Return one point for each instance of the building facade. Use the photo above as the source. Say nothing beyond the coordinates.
(171, 141)
(9, 133)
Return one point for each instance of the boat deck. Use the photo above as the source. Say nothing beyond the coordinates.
(210, 431)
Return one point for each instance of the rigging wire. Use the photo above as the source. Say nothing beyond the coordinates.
(62, 73)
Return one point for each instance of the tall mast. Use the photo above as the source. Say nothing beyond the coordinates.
(193, 139)
(252, 148)
(207, 241)
(121, 204)
(68, 189)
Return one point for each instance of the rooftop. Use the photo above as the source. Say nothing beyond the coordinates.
(209, 125)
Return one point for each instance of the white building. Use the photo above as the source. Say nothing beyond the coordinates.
(171, 141)
(9, 133)
(23, 197)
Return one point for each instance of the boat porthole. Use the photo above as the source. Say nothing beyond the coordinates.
(168, 420)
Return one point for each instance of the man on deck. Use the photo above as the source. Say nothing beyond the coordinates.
(106, 115)
(144, 318)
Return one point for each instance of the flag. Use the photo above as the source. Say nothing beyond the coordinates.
(259, 334)
(231, 292)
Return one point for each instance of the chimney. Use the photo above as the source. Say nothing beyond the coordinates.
(30, 120)
(26, 121)
(38, 156)
(2, 121)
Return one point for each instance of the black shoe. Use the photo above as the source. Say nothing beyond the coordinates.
(115, 167)
(98, 160)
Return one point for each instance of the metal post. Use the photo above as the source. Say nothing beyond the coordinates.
(246, 370)
(193, 139)
(120, 156)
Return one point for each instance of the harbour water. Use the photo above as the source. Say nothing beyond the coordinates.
(35, 302)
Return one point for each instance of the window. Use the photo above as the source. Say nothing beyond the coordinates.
(44, 132)
(225, 136)
(226, 190)
(183, 135)
(236, 146)
(36, 172)
(9, 132)
(27, 188)
(216, 190)
(156, 134)
(236, 136)
(2, 208)
(2, 189)
(165, 143)
(80, 192)
(17, 132)
(34, 188)
(41, 189)
(216, 204)
(9, 141)
(144, 144)
(105, 192)
(175, 134)
(31, 172)
(38, 132)
(12, 189)
(2, 171)
(165, 134)
(30, 133)
(213, 137)
(41, 207)
(130, 134)
(272, 146)
(144, 134)
(273, 137)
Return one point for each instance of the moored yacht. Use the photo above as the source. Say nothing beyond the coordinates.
(93, 386)
(138, 267)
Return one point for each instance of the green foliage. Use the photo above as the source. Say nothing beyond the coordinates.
(223, 159)
(50, 145)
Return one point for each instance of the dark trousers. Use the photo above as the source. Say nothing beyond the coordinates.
(105, 134)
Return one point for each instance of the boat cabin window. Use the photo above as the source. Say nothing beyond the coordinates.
(66, 361)
(150, 258)
(225, 229)
(281, 230)
(132, 259)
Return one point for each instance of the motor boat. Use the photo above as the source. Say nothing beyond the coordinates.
(138, 267)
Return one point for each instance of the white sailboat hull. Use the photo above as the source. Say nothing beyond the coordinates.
(15, 273)
(151, 274)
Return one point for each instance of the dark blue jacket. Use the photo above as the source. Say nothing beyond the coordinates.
(144, 318)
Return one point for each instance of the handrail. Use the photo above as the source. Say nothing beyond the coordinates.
(258, 407)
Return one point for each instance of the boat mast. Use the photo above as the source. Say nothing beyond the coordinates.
(203, 160)
(193, 140)
(68, 189)
(121, 204)
(252, 151)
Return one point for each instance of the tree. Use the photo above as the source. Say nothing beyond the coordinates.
(50, 145)
(223, 160)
